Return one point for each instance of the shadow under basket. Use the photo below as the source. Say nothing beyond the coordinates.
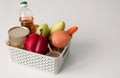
(39, 61)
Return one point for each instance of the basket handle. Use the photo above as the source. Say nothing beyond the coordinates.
(64, 51)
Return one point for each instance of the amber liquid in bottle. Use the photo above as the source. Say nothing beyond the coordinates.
(28, 22)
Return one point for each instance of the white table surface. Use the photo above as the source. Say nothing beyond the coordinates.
(95, 47)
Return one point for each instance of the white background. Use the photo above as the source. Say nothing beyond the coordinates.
(95, 48)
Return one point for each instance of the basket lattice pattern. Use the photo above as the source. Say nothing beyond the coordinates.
(34, 60)
(37, 61)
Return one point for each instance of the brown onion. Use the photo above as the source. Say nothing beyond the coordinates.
(60, 38)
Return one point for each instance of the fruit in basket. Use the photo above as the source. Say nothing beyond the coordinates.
(45, 31)
(59, 25)
(61, 38)
(36, 43)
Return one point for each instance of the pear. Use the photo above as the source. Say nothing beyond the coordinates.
(45, 30)
(59, 25)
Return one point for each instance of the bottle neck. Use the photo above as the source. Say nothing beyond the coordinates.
(23, 5)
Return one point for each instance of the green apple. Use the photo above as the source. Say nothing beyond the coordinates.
(45, 30)
(59, 25)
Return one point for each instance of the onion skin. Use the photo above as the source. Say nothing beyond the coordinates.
(60, 38)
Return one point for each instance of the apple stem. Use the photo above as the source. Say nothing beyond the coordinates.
(41, 30)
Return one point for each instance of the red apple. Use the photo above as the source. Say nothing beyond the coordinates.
(36, 43)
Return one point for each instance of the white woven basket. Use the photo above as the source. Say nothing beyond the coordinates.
(39, 61)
